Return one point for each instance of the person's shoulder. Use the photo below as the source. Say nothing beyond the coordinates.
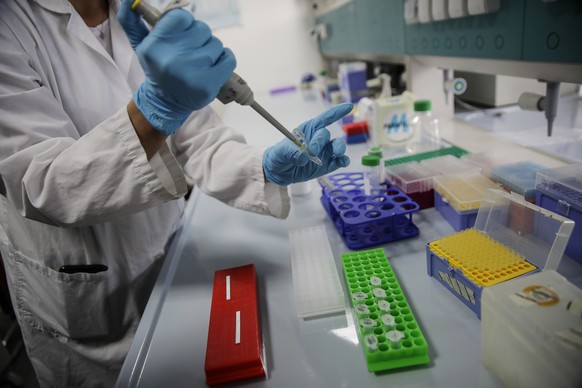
(17, 24)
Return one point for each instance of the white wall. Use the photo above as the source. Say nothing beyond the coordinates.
(272, 45)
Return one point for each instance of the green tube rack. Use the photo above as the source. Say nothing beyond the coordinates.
(389, 333)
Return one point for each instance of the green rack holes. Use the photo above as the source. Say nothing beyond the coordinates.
(389, 333)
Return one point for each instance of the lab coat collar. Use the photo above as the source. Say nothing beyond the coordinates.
(65, 7)
(58, 6)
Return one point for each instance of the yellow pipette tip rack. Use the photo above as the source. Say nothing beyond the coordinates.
(482, 259)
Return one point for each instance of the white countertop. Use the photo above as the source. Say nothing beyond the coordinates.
(169, 347)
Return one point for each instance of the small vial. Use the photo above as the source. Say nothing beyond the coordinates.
(375, 281)
(362, 310)
(359, 296)
(379, 293)
(371, 342)
(395, 336)
(388, 320)
(371, 166)
(384, 305)
(377, 151)
(368, 324)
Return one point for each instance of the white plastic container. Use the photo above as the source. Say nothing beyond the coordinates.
(531, 331)
(390, 121)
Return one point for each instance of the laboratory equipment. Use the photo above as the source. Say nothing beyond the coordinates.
(234, 350)
(518, 177)
(316, 285)
(511, 237)
(560, 190)
(371, 165)
(527, 39)
(352, 81)
(458, 196)
(531, 334)
(364, 221)
(425, 129)
(356, 132)
(548, 103)
(452, 150)
(236, 89)
(391, 121)
(391, 336)
(415, 180)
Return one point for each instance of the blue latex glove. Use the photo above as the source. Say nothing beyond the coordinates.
(284, 164)
(184, 65)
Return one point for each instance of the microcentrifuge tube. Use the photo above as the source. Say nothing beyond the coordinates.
(388, 320)
(362, 309)
(395, 336)
(367, 324)
(371, 342)
(379, 293)
(375, 281)
(384, 305)
(359, 296)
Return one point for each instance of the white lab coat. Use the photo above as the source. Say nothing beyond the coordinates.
(76, 188)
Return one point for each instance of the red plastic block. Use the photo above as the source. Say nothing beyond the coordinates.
(234, 349)
(356, 128)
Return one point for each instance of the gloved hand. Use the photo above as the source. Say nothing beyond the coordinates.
(284, 164)
(185, 66)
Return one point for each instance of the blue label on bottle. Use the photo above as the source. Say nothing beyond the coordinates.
(397, 129)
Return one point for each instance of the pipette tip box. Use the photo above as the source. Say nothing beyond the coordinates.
(389, 333)
(368, 220)
(511, 237)
(560, 190)
(458, 197)
(234, 350)
(518, 177)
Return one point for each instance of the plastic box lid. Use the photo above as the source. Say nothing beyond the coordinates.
(411, 177)
(535, 233)
(447, 164)
(530, 330)
(483, 160)
(464, 190)
(564, 182)
(518, 177)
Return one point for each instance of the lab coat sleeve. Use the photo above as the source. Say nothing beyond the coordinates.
(217, 160)
(51, 174)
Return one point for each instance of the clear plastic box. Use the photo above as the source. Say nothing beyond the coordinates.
(531, 332)
(447, 164)
(483, 160)
(458, 196)
(560, 190)
(415, 180)
(465, 190)
(518, 177)
(511, 237)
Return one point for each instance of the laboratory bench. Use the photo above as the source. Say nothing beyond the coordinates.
(170, 343)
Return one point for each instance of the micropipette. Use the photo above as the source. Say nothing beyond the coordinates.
(235, 89)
